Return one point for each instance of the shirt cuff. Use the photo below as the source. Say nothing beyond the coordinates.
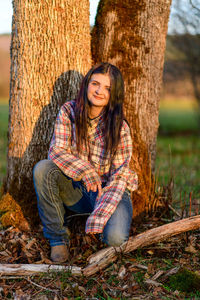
(95, 224)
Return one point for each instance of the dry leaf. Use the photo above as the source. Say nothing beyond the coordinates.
(171, 272)
(157, 290)
(191, 249)
(133, 269)
(82, 289)
(157, 275)
(139, 266)
(151, 252)
(153, 282)
(122, 272)
(150, 269)
(20, 295)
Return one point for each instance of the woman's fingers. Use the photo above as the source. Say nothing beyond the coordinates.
(94, 188)
(97, 187)
(99, 190)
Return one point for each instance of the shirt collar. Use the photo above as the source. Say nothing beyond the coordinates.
(98, 120)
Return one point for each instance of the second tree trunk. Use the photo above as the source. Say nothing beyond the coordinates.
(131, 35)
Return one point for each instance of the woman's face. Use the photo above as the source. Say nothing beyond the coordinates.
(98, 92)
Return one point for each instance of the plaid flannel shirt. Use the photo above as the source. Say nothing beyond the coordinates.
(94, 167)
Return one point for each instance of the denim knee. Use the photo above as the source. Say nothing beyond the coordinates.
(118, 226)
(115, 238)
(41, 170)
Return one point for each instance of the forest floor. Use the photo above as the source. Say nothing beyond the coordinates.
(166, 270)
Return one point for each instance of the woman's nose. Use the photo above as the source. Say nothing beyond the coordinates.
(99, 90)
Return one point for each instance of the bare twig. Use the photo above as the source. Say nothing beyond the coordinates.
(194, 6)
(190, 204)
(40, 286)
(157, 275)
(12, 277)
(174, 211)
(77, 215)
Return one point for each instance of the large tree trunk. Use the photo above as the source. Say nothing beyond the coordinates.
(131, 34)
(50, 51)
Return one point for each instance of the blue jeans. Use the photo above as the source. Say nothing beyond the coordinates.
(55, 192)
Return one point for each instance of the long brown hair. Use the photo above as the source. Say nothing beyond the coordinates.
(113, 117)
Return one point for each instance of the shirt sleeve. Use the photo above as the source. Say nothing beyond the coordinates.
(116, 185)
(60, 151)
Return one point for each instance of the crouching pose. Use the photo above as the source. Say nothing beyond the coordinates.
(87, 170)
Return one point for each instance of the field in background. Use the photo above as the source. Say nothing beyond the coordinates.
(4, 64)
(178, 159)
(178, 148)
(178, 116)
(4, 101)
(3, 137)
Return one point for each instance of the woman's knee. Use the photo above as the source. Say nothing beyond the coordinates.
(115, 238)
(41, 170)
(118, 226)
(116, 233)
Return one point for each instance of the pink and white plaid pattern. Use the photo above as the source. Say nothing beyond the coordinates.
(94, 166)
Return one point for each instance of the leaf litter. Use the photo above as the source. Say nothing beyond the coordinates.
(145, 273)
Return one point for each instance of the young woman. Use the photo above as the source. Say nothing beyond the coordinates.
(87, 170)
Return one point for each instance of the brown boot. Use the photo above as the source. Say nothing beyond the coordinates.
(59, 253)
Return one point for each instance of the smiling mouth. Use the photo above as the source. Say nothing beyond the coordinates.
(98, 98)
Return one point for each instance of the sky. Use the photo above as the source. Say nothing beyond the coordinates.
(6, 14)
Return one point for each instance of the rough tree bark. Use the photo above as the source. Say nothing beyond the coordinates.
(131, 34)
(50, 50)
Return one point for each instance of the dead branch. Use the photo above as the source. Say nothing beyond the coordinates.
(102, 258)
(30, 269)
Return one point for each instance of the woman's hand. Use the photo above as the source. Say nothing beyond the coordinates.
(92, 182)
(95, 188)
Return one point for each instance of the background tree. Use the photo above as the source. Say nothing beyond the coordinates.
(186, 38)
(50, 49)
(131, 34)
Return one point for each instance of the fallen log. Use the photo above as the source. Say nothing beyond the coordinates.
(101, 259)
(31, 269)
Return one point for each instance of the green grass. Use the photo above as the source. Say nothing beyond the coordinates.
(178, 152)
(178, 121)
(3, 139)
(178, 157)
(185, 281)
